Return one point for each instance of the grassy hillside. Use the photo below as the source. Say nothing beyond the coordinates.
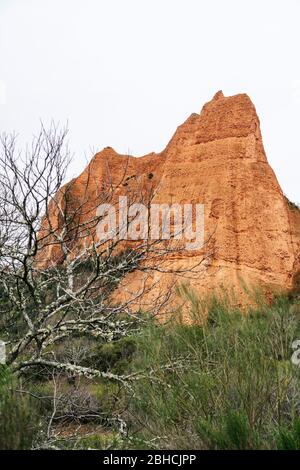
(226, 383)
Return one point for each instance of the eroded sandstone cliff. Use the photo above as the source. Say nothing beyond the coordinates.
(215, 158)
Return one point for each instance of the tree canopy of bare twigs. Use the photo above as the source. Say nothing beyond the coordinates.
(46, 305)
(43, 303)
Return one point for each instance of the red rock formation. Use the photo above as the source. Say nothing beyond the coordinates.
(215, 158)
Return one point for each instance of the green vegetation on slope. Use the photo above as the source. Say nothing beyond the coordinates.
(228, 384)
(224, 383)
(18, 417)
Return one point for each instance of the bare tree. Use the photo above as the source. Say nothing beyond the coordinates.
(56, 276)
(46, 303)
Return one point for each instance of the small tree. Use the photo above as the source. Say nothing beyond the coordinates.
(56, 276)
(44, 303)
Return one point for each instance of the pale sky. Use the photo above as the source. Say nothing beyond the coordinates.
(126, 73)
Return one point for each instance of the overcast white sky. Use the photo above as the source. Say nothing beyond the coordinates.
(126, 73)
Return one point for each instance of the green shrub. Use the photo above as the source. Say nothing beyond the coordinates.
(99, 442)
(18, 420)
(233, 432)
(114, 356)
(226, 383)
(289, 439)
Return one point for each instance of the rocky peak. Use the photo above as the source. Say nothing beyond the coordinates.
(215, 158)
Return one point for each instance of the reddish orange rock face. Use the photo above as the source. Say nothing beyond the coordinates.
(215, 158)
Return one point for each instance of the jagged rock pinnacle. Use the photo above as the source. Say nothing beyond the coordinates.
(215, 158)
